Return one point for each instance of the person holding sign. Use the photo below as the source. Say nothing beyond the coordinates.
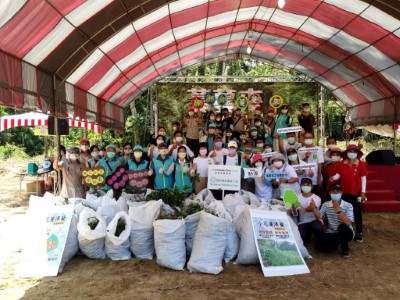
(200, 167)
(71, 180)
(339, 216)
(282, 175)
(137, 162)
(308, 224)
(283, 120)
(218, 153)
(294, 160)
(263, 187)
(163, 166)
(173, 149)
(288, 143)
(313, 154)
(95, 156)
(109, 163)
(182, 172)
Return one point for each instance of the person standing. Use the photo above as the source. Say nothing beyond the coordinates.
(192, 123)
(182, 172)
(163, 167)
(71, 170)
(110, 163)
(306, 118)
(353, 178)
(200, 166)
(283, 120)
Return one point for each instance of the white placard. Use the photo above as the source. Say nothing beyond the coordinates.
(304, 166)
(44, 241)
(222, 177)
(252, 172)
(289, 129)
(277, 249)
(304, 149)
(269, 154)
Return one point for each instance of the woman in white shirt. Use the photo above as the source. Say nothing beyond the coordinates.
(200, 166)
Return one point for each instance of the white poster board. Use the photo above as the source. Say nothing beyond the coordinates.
(45, 240)
(304, 166)
(252, 172)
(289, 129)
(226, 178)
(276, 246)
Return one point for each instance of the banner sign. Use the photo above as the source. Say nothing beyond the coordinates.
(276, 246)
(289, 129)
(304, 149)
(276, 175)
(252, 172)
(138, 180)
(265, 154)
(93, 177)
(44, 241)
(41, 130)
(224, 177)
(304, 166)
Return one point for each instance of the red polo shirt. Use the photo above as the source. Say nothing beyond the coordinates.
(331, 170)
(350, 180)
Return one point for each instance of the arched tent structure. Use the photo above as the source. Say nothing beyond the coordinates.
(89, 59)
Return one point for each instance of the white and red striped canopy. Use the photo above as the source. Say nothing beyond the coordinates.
(99, 55)
(32, 119)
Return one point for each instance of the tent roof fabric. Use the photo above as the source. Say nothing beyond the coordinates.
(99, 55)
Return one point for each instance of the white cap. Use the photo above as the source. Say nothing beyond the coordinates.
(232, 144)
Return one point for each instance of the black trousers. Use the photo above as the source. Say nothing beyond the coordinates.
(308, 229)
(193, 145)
(356, 209)
(328, 242)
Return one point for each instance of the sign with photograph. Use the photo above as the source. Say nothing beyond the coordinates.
(222, 177)
(276, 246)
(44, 241)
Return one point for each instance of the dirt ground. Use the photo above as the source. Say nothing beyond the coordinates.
(372, 272)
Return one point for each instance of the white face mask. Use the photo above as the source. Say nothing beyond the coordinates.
(137, 154)
(268, 150)
(270, 114)
(335, 158)
(284, 111)
(101, 153)
(229, 134)
(308, 141)
(127, 151)
(259, 164)
(212, 118)
(253, 133)
(159, 142)
(203, 151)
(182, 155)
(178, 139)
(232, 151)
(258, 112)
(73, 157)
(330, 146)
(352, 155)
(258, 123)
(211, 131)
(84, 147)
(95, 154)
(191, 113)
(164, 151)
(162, 133)
(260, 145)
(218, 144)
(306, 109)
(278, 164)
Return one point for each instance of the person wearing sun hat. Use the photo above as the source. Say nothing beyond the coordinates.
(353, 173)
(279, 164)
(334, 154)
(262, 187)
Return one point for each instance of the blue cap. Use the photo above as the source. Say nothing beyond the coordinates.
(138, 147)
(111, 146)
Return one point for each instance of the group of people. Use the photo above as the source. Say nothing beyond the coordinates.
(330, 186)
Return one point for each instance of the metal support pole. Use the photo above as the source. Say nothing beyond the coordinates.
(395, 127)
(321, 116)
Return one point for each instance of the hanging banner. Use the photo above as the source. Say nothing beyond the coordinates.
(222, 177)
(41, 131)
(44, 241)
(252, 172)
(277, 249)
(289, 129)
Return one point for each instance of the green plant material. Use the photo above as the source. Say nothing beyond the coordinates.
(93, 222)
(195, 177)
(121, 226)
(12, 151)
(191, 209)
(170, 196)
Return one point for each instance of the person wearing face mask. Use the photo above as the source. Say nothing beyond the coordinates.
(313, 154)
(211, 134)
(262, 187)
(233, 158)
(71, 174)
(110, 163)
(306, 118)
(259, 146)
(192, 124)
(353, 179)
(200, 166)
(293, 160)
(290, 182)
(227, 120)
(153, 149)
(84, 146)
(163, 167)
(173, 149)
(283, 120)
(253, 134)
(211, 120)
(228, 136)
(137, 162)
(339, 216)
(270, 119)
(288, 143)
(218, 153)
(330, 143)
(218, 121)
(307, 223)
(182, 172)
(239, 122)
(127, 150)
(163, 132)
(267, 153)
(94, 156)
(176, 126)
(330, 170)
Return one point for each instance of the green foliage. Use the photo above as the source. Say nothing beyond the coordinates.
(170, 196)
(12, 151)
(23, 137)
(191, 209)
(282, 254)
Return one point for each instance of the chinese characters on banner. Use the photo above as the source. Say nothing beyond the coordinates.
(226, 178)
(45, 241)
(276, 246)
